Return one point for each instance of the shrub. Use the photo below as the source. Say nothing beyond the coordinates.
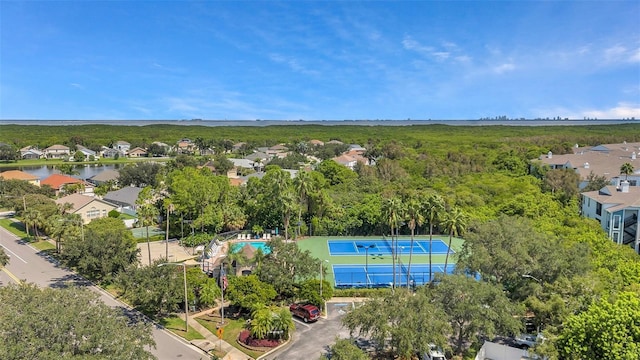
(245, 338)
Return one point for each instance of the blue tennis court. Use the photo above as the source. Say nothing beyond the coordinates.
(382, 275)
(362, 247)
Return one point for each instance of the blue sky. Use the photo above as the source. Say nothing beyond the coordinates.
(319, 60)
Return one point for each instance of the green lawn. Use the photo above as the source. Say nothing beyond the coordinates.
(16, 228)
(175, 324)
(43, 245)
(232, 328)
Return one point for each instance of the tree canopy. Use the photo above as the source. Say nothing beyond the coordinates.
(108, 248)
(68, 323)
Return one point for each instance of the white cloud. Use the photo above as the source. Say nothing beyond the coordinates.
(447, 51)
(463, 59)
(635, 55)
(293, 64)
(441, 55)
(620, 54)
(410, 44)
(77, 86)
(615, 53)
(503, 68)
(623, 110)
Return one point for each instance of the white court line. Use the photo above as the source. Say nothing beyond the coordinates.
(14, 254)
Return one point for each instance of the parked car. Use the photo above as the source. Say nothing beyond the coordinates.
(306, 312)
(434, 353)
(526, 341)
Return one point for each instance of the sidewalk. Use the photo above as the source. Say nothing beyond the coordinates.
(211, 341)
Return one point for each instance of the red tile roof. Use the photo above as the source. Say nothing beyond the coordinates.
(56, 181)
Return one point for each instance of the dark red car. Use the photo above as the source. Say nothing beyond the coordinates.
(306, 312)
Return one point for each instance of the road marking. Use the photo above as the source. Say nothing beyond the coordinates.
(14, 254)
(300, 322)
(15, 278)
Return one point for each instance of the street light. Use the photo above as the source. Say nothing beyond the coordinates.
(186, 303)
(366, 263)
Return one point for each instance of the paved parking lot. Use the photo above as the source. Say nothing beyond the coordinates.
(312, 340)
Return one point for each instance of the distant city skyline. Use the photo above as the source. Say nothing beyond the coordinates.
(319, 60)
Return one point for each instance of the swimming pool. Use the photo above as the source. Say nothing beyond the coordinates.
(261, 245)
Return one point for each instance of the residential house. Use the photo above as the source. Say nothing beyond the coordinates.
(334, 142)
(20, 175)
(617, 209)
(58, 182)
(602, 160)
(86, 151)
(56, 152)
(259, 160)
(137, 152)
(315, 142)
(125, 198)
(122, 146)
(238, 146)
(31, 152)
(110, 153)
(278, 148)
(231, 173)
(356, 148)
(88, 207)
(351, 158)
(243, 163)
(106, 176)
(185, 146)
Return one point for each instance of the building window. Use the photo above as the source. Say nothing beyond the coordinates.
(617, 222)
(93, 213)
(598, 209)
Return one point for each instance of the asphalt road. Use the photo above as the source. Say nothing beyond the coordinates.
(28, 264)
(312, 340)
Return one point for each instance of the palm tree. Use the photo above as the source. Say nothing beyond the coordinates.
(626, 169)
(283, 323)
(262, 321)
(147, 212)
(303, 184)
(433, 206)
(281, 190)
(415, 218)
(392, 211)
(30, 218)
(455, 221)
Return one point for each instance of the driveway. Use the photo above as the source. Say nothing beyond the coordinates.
(312, 340)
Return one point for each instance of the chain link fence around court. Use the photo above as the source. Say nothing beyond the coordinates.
(377, 276)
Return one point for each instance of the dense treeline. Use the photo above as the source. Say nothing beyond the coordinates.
(433, 138)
